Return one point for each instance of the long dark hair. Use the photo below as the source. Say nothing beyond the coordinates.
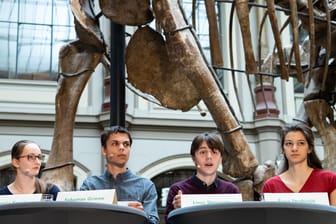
(312, 159)
(41, 186)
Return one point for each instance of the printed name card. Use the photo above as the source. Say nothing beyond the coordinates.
(124, 203)
(7, 199)
(205, 199)
(104, 196)
(312, 198)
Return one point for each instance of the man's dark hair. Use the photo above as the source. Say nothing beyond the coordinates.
(113, 130)
(213, 140)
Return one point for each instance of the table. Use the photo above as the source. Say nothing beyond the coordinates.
(69, 213)
(254, 213)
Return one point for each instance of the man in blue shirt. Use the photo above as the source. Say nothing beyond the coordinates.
(138, 191)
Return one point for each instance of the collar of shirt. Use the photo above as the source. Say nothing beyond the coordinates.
(120, 176)
(203, 184)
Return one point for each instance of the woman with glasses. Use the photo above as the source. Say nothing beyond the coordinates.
(206, 151)
(301, 170)
(26, 160)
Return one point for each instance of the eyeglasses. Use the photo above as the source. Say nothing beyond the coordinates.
(290, 144)
(32, 157)
(126, 144)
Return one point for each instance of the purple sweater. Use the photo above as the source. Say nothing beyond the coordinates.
(193, 185)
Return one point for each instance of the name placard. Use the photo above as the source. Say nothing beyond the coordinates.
(124, 203)
(205, 199)
(7, 199)
(312, 198)
(108, 196)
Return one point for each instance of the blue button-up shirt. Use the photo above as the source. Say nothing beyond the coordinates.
(129, 187)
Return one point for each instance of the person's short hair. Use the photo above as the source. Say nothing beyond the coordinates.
(312, 159)
(213, 140)
(113, 130)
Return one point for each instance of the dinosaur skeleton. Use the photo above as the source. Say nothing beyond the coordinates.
(181, 71)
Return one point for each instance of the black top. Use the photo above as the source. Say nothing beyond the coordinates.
(59, 212)
(52, 189)
(255, 212)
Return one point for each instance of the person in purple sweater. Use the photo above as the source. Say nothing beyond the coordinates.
(207, 153)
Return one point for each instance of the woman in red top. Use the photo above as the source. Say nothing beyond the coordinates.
(302, 169)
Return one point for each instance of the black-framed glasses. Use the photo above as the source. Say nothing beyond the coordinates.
(32, 157)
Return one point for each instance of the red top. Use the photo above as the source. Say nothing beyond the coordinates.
(318, 181)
